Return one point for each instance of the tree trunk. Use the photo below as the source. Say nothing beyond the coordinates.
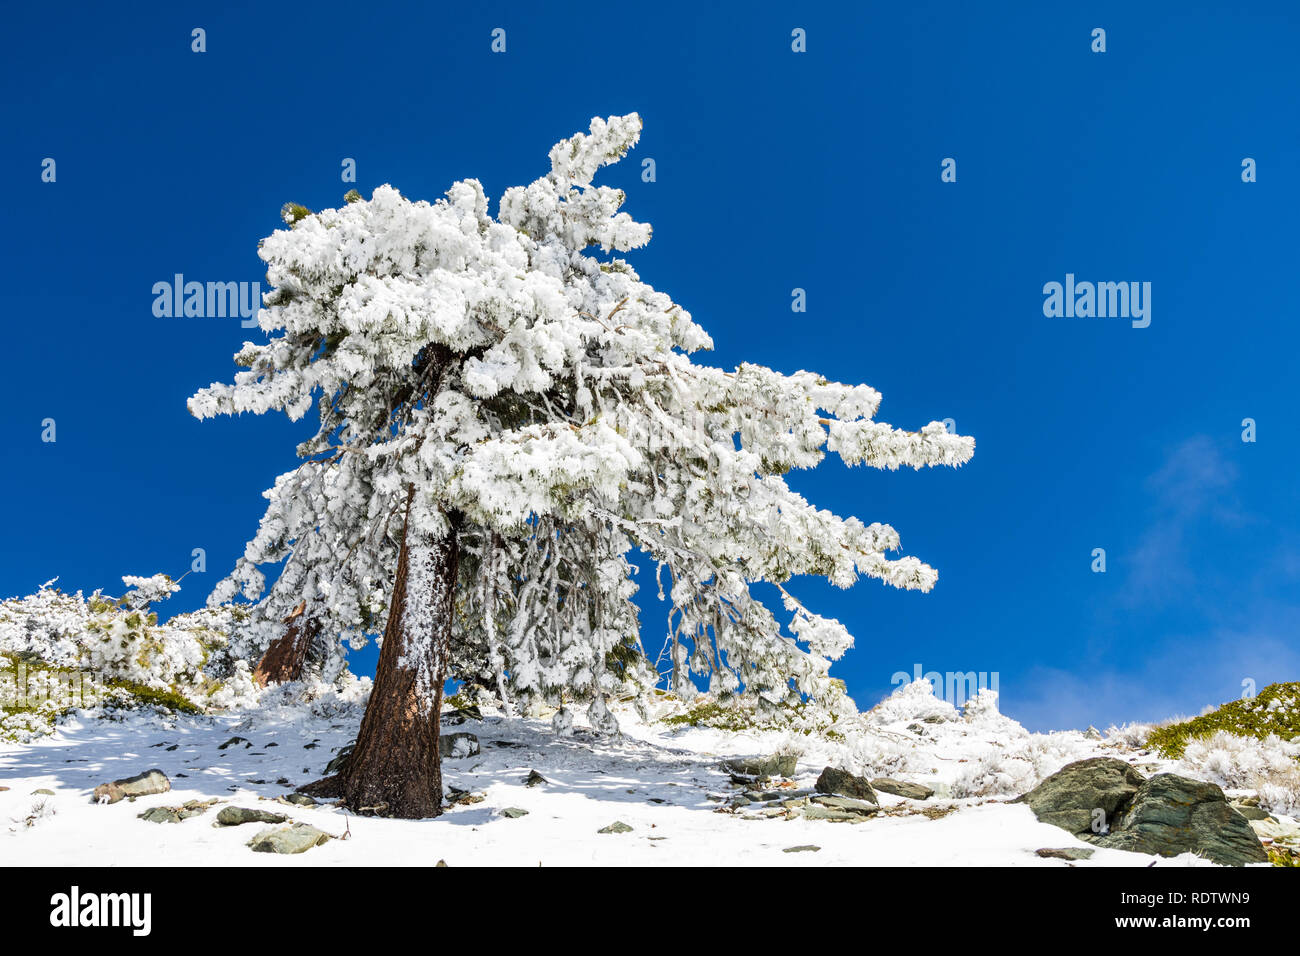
(284, 659)
(395, 769)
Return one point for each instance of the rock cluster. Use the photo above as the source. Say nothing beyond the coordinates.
(1105, 802)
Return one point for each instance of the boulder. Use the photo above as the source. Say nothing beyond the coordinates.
(534, 779)
(1164, 816)
(912, 791)
(1170, 815)
(845, 784)
(777, 765)
(1070, 797)
(460, 744)
(141, 785)
(513, 813)
(298, 838)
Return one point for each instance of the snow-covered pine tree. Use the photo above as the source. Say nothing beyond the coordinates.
(526, 413)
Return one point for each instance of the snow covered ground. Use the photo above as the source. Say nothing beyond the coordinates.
(663, 782)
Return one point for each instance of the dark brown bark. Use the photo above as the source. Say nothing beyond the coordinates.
(284, 659)
(395, 769)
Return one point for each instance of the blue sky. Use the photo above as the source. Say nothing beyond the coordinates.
(775, 170)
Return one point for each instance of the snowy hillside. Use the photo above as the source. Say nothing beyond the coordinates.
(665, 783)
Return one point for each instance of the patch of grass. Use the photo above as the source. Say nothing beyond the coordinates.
(714, 714)
(144, 695)
(1275, 710)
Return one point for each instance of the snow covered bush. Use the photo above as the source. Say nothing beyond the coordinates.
(60, 651)
(1271, 767)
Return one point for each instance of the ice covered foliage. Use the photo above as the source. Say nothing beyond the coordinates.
(524, 385)
(1270, 766)
(119, 643)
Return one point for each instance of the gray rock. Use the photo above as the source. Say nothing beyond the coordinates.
(1065, 853)
(1170, 815)
(618, 826)
(43, 792)
(453, 746)
(299, 799)
(777, 765)
(816, 812)
(298, 838)
(806, 848)
(913, 791)
(160, 815)
(1164, 816)
(236, 740)
(1092, 733)
(1251, 813)
(534, 779)
(141, 785)
(848, 804)
(845, 784)
(1069, 798)
(237, 816)
(514, 813)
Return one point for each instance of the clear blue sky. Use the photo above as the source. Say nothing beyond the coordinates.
(775, 170)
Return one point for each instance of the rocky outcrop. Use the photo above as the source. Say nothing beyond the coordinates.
(1106, 802)
(1172, 815)
(1084, 794)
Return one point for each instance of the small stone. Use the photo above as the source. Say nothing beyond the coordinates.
(440, 863)
(1092, 733)
(44, 792)
(457, 745)
(912, 791)
(618, 826)
(298, 838)
(299, 799)
(1065, 853)
(534, 779)
(861, 807)
(160, 815)
(805, 848)
(141, 785)
(236, 816)
(514, 813)
(233, 741)
(835, 816)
